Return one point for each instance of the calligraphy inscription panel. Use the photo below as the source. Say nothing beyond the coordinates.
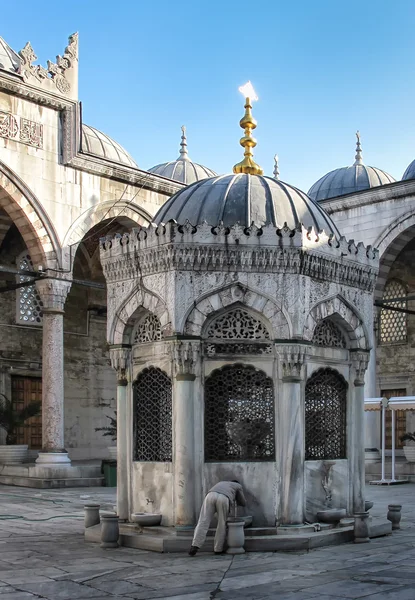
(21, 130)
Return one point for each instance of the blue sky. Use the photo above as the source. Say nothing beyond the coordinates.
(321, 69)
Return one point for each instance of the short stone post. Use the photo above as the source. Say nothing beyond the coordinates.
(91, 515)
(110, 531)
(394, 515)
(236, 537)
(361, 528)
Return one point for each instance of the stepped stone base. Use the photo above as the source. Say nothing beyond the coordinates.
(51, 477)
(165, 539)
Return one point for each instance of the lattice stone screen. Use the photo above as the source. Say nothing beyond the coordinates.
(28, 303)
(237, 324)
(325, 416)
(147, 329)
(393, 325)
(327, 334)
(239, 415)
(153, 416)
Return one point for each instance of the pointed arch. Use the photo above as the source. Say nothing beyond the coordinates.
(338, 309)
(237, 294)
(31, 219)
(120, 326)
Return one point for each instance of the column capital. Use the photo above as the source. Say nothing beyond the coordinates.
(292, 358)
(53, 293)
(120, 361)
(185, 356)
(360, 362)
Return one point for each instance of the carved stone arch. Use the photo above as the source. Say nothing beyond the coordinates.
(31, 219)
(390, 243)
(347, 317)
(122, 210)
(234, 293)
(139, 302)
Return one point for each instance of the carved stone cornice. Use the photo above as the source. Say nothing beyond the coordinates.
(185, 355)
(53, 293)
(360, 362)
(120, 357)
(292, 359)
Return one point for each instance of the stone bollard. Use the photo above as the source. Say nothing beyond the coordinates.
(361, 528)
(91, 515)
(110, 531)
(394, 515)
(236, 537)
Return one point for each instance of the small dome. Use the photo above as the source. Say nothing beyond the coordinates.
(410, 172)
(245, 199)
(347, 180)
(98, 144)
(9, 60)
(183, 169)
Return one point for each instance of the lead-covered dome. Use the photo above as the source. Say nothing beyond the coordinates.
(183, 169)
(99, 144)
(347, 180)
(410, 172)
(245, 199)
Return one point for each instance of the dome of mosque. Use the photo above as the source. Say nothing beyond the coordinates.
(9, 59)
(410, 172)
(99, 144)
(183, 169)
(347, 180)
(244, 199)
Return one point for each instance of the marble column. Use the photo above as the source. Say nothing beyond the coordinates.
(53, 294)
(372, 418)
(290, 434)
(185, 360)
(120, 361)
(356, 432)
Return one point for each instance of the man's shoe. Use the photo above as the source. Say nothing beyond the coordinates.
(193, 550)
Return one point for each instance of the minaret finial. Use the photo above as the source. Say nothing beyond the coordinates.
(358, 157)
(183, 146)
(276, 169)
(248, 123)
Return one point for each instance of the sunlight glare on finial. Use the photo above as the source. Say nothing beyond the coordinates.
(248, 91)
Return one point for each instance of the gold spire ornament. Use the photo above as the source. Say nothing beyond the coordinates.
(248, 142)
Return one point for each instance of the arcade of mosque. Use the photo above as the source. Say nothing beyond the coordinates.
(243, 323)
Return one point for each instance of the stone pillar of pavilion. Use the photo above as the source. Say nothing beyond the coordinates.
(185, 360)
(360, 362)
(53, 294)
(372, 418)
(120, 361)
(290, 435)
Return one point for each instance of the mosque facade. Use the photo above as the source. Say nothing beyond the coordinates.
(64, 185)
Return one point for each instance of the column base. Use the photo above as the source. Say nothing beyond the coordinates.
(53, 459)
(372, 455)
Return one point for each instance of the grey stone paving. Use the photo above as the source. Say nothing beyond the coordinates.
(47, 557)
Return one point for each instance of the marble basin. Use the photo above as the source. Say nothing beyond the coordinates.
(146, 519)
(332, 515)
(368, 505)
(246, 518)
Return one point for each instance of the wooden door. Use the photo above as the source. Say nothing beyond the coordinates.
(24, 391)
(400, 420)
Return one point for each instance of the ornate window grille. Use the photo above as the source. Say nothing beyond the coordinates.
(153, 416)
(237, 324)
(28, 303)
(148, 329)
(325, 415)
(393, 324)
(239, 415)
(327, 334)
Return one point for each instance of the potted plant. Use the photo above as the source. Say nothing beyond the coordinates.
(110, 431)
(11, 419)
(409, 448)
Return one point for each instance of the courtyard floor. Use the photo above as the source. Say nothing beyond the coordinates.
(46, 557)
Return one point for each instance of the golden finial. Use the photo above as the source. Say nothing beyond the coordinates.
(248, 123)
